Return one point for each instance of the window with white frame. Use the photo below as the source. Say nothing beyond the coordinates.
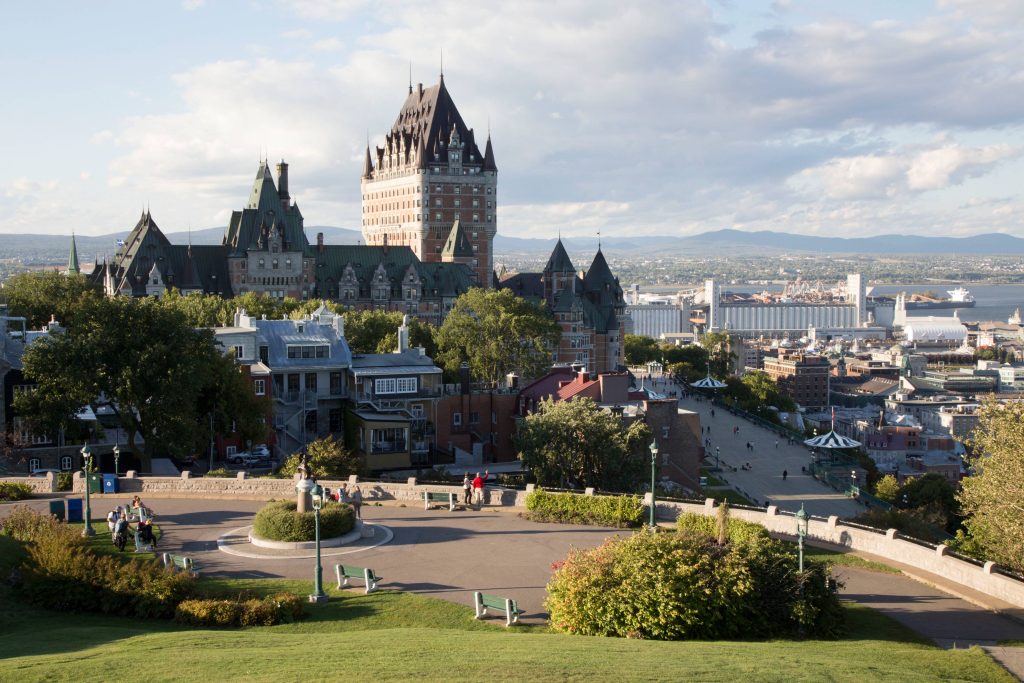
(66, 463)
(260, 386)
(395, 385)
(239, 352)
(457, 419)
(230, 450)
(34, 464)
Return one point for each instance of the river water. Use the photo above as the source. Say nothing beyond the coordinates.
(992, 302)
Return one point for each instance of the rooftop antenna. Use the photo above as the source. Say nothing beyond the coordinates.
(410, 76)
(599, 240)
(442, 64)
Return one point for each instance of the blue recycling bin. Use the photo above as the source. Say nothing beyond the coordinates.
(74, 510)
(111, 484)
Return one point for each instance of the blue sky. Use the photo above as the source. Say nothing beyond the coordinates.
(649, 118)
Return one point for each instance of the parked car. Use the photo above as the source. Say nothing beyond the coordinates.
(42, 472)
(261, 450)
(248, 459)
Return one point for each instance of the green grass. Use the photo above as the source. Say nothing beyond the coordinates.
(733, 496)
(845, 559)
(400, 636)
(101, 543)
(712, 479)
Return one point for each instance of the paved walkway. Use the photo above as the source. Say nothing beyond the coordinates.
(451, 554)
(768, 461)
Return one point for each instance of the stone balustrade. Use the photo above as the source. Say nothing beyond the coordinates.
(47, 484)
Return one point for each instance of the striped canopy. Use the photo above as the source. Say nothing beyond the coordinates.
(708, 383)
(832, 440)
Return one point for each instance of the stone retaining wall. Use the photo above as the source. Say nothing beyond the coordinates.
(47, 484)
(932, 559)
(246, 488)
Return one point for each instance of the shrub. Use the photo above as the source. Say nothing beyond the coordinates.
(685, 585)
(24, 524)
(64, 481)
(737, 530)
(280, 521)
(63, 574)
(221, 473)
(208, 612)
(275, 609)
(572, 508)
(14, 491)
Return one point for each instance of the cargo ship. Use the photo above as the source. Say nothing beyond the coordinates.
(958, 298)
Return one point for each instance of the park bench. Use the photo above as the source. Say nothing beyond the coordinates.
(437, 498)
(344, 572)
(483, 602)
(181, 563)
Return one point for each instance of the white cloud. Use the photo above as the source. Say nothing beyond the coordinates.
(598, 105)
(885, 176)
(190, 5)
(328, 45)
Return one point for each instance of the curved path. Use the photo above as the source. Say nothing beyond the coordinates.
(451, 554)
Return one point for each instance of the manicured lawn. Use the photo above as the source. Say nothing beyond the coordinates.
(842, 559)
(401, 636)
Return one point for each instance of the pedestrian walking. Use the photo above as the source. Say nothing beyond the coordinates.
(712, 412)
(776, 444)
(357, 502)
(785, 473)
(467, 489)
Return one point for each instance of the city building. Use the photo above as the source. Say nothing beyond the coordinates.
(429, 180)
(308, 361)
(589, 307)
(804, 378)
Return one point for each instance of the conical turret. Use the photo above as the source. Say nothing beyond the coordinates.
(73, 258)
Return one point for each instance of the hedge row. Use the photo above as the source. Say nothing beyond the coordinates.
(571, 508)
(14, 491)
(281, 521)
(61, 573)
(275, 609)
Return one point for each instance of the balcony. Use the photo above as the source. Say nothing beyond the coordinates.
(388, 447)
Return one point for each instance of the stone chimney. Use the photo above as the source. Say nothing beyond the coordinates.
(282, 184)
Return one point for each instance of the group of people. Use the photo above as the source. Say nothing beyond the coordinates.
(473, 490)
(119, 521)
(353, 498)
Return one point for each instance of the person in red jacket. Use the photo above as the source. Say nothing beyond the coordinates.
(478, 488)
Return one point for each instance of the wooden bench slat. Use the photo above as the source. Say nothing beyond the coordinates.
(484, 602)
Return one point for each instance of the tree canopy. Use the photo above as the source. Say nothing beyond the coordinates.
(497, 332)
(38, 295)
(158, 374)
(326, 458)
(993, 499)
(377, 332)
(719, 353)
(576, 444)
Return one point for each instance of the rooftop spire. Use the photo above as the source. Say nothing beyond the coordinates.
(410, 76)
(73, 257)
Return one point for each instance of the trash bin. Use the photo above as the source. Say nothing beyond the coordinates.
(110, 484)
(57, 509)
(74, 510)
(95, 482)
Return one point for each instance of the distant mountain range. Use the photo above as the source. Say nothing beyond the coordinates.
(54, 248)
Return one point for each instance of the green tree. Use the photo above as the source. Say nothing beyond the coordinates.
(39, 295)
(577, 444)
(640, 349)
(887, 489)
(377, 332)
(497, 332)
(142, 360)
(765, 392)
(200, 310)
(720, 356)
(327, 458)
(693, 354)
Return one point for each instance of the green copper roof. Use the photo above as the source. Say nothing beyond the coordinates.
(73, 258)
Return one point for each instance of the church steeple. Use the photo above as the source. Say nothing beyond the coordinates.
(73, 258)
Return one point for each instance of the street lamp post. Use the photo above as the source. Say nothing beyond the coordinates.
(801, 534)
(318, 596)
(853, 483)
(718, 452)
(654, 462)
(117, 459)
(87, 530)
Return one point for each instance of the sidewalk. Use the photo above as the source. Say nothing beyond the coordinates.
(769, 457)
